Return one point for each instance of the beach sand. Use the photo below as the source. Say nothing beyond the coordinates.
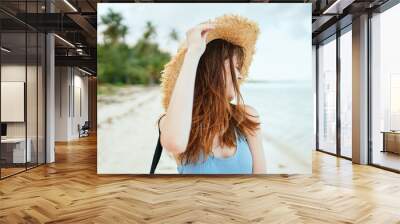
(127, 132)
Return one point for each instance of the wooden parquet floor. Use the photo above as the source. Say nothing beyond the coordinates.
(70, 191)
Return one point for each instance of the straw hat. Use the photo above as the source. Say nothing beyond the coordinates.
(232, 28)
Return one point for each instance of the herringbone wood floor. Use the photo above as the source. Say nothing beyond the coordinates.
(70, 191)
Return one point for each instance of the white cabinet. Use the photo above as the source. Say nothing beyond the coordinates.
(18, 149)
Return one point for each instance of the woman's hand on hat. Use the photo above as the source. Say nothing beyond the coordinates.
(196, 37)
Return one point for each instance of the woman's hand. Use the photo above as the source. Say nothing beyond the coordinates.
(196, 37)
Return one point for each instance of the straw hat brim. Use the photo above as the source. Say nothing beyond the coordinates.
(233, 28)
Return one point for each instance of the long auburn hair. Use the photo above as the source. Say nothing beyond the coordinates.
(213, 115)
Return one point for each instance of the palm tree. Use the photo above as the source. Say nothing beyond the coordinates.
(150, 31)
(115, 31)
(145, 44)
(173, 35)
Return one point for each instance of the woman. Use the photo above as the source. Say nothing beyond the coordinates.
(201, 128)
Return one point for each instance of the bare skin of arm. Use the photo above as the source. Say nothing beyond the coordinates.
(175, 126)
(255, 144)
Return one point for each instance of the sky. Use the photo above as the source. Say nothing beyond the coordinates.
(283, 49)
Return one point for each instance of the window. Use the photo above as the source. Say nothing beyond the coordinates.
(385, 89)
(345, 94)
(327, 96)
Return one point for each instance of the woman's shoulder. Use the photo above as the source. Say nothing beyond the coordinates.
(161, 121)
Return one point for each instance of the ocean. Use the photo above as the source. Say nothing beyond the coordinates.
(286, 112)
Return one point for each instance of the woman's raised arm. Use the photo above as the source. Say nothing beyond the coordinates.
(175, 126)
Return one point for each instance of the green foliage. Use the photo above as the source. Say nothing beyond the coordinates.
(115, 30)
(119, 63)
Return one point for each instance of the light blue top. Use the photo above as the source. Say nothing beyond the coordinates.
(239, 163)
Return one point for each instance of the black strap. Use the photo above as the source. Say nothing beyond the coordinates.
(157, 152)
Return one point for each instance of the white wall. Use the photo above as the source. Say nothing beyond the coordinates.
(70, 83)
(80, 89)
(62, 81)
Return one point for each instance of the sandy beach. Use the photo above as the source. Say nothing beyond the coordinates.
(127, 134)
(127, 131)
